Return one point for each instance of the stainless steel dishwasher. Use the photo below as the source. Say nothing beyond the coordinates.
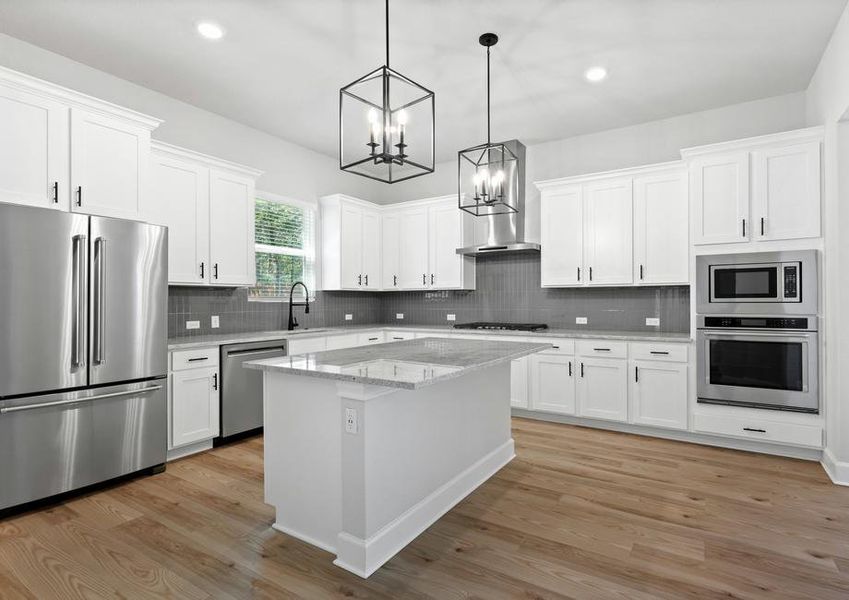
(241, 389)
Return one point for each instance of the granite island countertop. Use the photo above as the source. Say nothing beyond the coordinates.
(410, 364)
(199, 341)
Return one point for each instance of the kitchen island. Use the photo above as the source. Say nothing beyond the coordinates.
(366, 447)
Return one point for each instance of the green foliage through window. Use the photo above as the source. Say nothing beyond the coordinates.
(284, 249)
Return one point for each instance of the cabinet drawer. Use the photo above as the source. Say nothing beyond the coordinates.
(759, 429)
(337, 342)
(307, 345)
(603, 348)
(652, 351)
(558, 345)
(193, 359)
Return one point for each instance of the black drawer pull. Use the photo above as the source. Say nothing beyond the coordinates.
(570, 368)
(659, 352)
(198, 358)
(756, 430)
(555, 347)
(396, 338)
(602, 349)
(372, 339)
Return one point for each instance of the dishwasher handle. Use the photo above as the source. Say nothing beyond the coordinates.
(254, 351)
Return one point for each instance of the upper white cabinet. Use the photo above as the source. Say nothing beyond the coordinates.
(66, 150)
(758, 189)
(410, 246)
(351, 239)
(620, 228)
(34, 151)
(660, 228)
(208, 206)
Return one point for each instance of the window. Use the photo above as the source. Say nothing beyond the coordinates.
(285, 248)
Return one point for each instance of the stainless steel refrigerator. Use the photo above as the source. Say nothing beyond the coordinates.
(83, 351)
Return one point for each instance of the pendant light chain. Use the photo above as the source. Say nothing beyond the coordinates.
(387, 33)
(488, 121)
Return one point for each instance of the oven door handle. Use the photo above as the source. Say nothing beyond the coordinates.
(758, 335)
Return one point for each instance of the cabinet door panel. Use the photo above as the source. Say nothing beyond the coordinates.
(34, 150)
(608, 231)
(351, 247)
(194, 406)
(603, 388)
(390, 252)
(519, 382)
(720, 196)
(786, 185)
(659, 394)
(414, 249)
(179, 199)
(661, 229)
(561, 238)
(446, 235)
(552, 383)
(371, 250)
(231, 231)
(109, 161)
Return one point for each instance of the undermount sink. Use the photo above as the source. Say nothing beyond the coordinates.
(307, 330)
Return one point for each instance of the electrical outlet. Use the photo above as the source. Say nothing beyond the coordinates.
(350, 420)
(451, 317)
(192, 324)
(580, 320)
(214, 322)
(349, 317)
(399, 316)
(652, 322)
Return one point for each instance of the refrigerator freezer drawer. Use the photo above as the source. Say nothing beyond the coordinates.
(56, 443)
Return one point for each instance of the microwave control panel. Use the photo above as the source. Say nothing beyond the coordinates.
(791, 282)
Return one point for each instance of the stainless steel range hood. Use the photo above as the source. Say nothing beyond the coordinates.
(506, 232)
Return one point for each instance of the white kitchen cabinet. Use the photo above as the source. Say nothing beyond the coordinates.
(608, 231)
(208, 206)
(661, 228)
(786, 192)
(109, 165)
(390, 251)
(414, 254)
(351, 240)
(370, 337)
(602, 388)
(720, 196)
(34, 150)
(561, 237)
(519, 382)
(337, 342)
(194, 405)
(179, 199)
(552, 386)
(449, 228)
(659, 394)
(306, 345)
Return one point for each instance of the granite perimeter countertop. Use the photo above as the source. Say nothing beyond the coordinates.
(200, 341)
(409, 364)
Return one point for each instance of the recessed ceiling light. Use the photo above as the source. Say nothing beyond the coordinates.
(596, 74)
(210, 30)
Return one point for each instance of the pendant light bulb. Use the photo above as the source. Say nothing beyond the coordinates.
(403, 117)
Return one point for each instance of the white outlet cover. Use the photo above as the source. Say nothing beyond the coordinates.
(192, 324)
(580, 320)
(399, 316)
(215, 324)
(451, 317)
(350, 420)
(652, 322)
(349, 317)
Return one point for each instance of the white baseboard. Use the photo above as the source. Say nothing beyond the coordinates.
(838, 471)
(364, 557)
(188, 450)
(304, 538)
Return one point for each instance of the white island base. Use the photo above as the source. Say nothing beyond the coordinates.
(412, 455)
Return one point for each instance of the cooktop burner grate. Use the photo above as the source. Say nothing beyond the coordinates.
(502, 326)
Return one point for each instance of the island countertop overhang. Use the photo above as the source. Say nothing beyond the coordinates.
(410, 364)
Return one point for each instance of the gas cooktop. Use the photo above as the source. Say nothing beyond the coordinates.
(502, 326)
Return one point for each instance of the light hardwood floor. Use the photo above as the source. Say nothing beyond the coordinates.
(580, 513)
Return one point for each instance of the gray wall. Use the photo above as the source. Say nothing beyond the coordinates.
(508, 289)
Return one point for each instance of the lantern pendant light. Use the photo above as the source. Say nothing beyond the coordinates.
(386, 125)
(483, 170)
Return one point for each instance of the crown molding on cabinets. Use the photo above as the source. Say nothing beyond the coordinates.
(627, 172)
(204, 159)
(808, 134)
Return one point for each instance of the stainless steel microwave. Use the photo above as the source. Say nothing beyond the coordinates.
(757, 283)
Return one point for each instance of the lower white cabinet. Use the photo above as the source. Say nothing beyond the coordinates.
(519, 382)
(602, 388)
(304, 346)
(552, 383)
(659, 394)
(194, 405)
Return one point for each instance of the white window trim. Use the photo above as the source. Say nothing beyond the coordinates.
(272, 197)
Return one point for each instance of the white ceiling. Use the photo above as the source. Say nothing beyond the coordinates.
(281, 62)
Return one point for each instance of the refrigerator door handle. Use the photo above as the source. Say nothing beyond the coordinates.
(10, 409)
(99, 298)
(79, 301)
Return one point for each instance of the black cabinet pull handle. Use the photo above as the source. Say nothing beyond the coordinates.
(431, 279)
(55, 192)
(591, 273)
(396, 338)
(570, 368)
(395, 280)
(366, 279)
(556, 347)
(641, 272)
(637, 374)
(744, 227)
(199, 358)
(602, 349)
(359, 279)
(215, 270)
(579, 273)
(659, 352)
(201, 270)
(79, 195)
(755, 429)
(424, 279)
(372, 339)
(582, 369)
(762, 225)
(215, 381)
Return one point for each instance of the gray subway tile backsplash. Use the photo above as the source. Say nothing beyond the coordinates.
(508, 289)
